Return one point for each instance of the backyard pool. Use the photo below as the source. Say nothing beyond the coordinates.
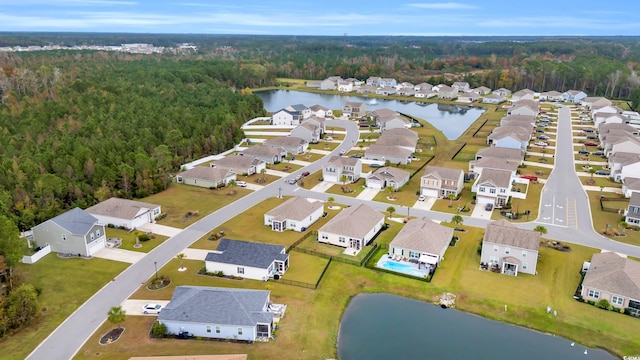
(401, 267)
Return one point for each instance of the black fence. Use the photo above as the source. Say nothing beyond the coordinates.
(480, 128)
(457, 152)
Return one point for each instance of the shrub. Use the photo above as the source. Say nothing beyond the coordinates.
(627, 311)
(159, 329)
(604, 304)
(219, 273)
(144, 237)
(591, 302)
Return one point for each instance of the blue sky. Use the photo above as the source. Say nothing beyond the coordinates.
(328, 17)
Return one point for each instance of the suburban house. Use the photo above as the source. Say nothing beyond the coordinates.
(525, 107)
(519, 120)
(550, 96)
(206, 177)
(573, 96)
(510, 154)
(461, 86)
(387, 177)
(353, 109)
(125, 213)
(291, 144)
(295, 214)
(388, 82)
(613, 278)
(632, 213)
(367, 89)
(392, 154)
(327, 84)
(493, 99)
(509, 249)
(481, 90)
(406, 85)
(316, 120)
(425, 94)
(250, 260)
(268, 154)
(423, 87)
(608, 118)
(591, 102)
(340, 168)
(307, 131)
(448, 93)
(630, 185)
(400, 141)
(219, 313)
(509, 137)
(468, 97)
(477, 166)
(406, 92)
(374, 81)
(345, 86)
(524, 94)
(492, 187)
(615, 129)
(393, 122)
(353, 228)
(291, 115)
(320, 111)
(409, 134)
(624, 164)
(439, 181)
(387, 90)
(610, 109)
(625, 143)
(74, 232)
(502, 92)
(241, 165)
(421, 240)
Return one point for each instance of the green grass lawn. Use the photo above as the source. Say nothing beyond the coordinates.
(466, 199)
(601, 218)
(538, 171)
(355, 188)
(599, 181)
(284, 166)
(64, 285)
(305, 268)
(129, 240)
(327, 146)
(178, 199)
(312, 180)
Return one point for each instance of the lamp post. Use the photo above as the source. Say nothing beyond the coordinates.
(408, 210)
(155, 265)
(279, 192)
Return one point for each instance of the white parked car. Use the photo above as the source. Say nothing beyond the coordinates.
(542, 143)
(151, 308)
(422, 197)
(241, 183)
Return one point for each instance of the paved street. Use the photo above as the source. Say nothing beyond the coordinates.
(564, 210)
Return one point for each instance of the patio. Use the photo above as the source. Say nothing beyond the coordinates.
(399, 265)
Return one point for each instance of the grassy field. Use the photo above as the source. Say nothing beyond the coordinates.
(61, 292)
(129, 240)
(602, 218)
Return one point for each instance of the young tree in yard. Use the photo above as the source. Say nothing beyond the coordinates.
(11, 246)
(330, 200)
(344, 179)
(592, 171)
(22, 307)
(541, 229)
(116, 315)
(391, 210)
(456, 220)
(181, 257)
(451, 197)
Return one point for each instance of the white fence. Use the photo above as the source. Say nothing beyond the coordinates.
(37, 256)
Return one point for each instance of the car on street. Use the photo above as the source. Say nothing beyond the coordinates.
(589, 130)
(583, 152)
(292, 181)
(592, 137)
(151, 308)
(602, 172)
(488, 207)
(306, 173)
(241, 183)
(539, 130)
(541, 143)
(529, 177)
(342, 152)
(598, 153)
(590, 143)
(422, 197)
(298, 177)
(543, 137)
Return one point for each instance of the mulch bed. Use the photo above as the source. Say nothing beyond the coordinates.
(112, 336)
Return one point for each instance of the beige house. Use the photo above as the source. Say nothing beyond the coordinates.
(439, 181)
(508, 249)
(291, 144)
(447, 93)
(400, 141)
(307, 131)
(493, 187)
(268, 154)
(353, 228)
(242, 165)
(613, 278)
(387, 177)
(392, 154)
(125, 213)
(353, 109)
(503, 153)
(295, 214)
(421, 241)
(206, 176)
(339, 168)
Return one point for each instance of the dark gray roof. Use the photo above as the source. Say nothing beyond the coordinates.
(247, 253)
(214, 305)
(75, 221)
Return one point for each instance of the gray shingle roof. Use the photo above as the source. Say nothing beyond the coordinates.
(206, 173)
(121, 208)
(296, 208)
(423, 235)
(354, 221)
(503, 153)
(612, 273)
(389, 172)
(443, 173)
(237, 162)
(247, 253)
(212, 305)
(499, 178)
(385, 150)
(505, 233)
(75, 221)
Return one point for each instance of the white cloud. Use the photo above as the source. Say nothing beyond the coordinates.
(443, 6)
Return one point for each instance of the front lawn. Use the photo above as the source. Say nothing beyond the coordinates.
(603, 218)
(129, 240)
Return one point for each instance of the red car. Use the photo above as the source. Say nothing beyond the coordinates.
(529, 177)
(591, 143)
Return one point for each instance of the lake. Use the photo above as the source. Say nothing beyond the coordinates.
(452, 120)
(384, 326)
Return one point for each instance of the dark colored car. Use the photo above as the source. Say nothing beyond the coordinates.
(591, 143)
(306, 173)
(587, 130)
(583, 152)
(598, 153)
(539, 130)
(602, 172)
(592, 137)
(489, 207)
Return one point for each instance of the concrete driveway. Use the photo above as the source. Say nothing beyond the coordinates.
(134, 307)
(480, 213)
(426, 204)
(322, 187)
(367, 194)
(121, 255)
(195, 254)
(160, 229)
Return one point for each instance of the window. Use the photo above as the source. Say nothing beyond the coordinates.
(239, 331)
(503, 191)
(64, 237)
(341, 239)
(217, 329)
(594, 294)
(495, 248)
(414, 255)
(325, 236)
(617, 300)
(98, 233)
(92, 236)
(240, 270)
(208, 328)
(493, 260)
(524, 253)
(481, 188)
(507, 251)
(524, 266)
(492, 190)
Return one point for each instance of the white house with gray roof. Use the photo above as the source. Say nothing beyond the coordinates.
(387, 177)
(247, 259)
(268, 154)
(291, 115)
(241, 165)
(493, 187)
(421, 241)
(613, 278)
(206, 177)
(307, 131)
(74, 232)
(340, 168)
(509, 249)
(125, 213)
(291, 144)
(392, 154)
(439, 181)
(219, 313)
(295, 214)
(353, 228)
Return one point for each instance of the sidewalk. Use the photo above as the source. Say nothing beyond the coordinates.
(606, 189)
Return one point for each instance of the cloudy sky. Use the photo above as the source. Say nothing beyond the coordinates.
(327, 17)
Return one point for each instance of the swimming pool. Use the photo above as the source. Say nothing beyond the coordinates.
(400, 267)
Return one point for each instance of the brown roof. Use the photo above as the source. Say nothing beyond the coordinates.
(383, 113)
(505, 233)
(354, 221)
(121, 208)
(498, 178)
(289, 141)
(423, 235)
(391, 140)
(520, 118)
(296, 208)
(443, 173)
(236, 162)
(341, 161)
(206, 173)
(400, 132)
(615, 274)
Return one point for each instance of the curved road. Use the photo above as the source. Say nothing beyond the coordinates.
(65, 341)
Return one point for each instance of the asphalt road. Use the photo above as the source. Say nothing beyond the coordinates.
(66, 340)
